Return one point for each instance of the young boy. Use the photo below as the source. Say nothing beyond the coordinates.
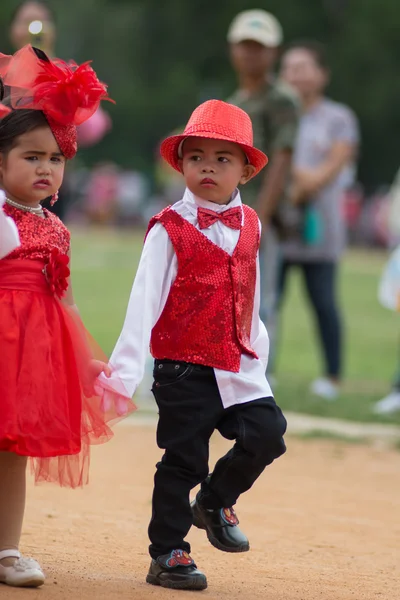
(196, 300)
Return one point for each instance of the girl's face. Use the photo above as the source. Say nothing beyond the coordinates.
(34, 169)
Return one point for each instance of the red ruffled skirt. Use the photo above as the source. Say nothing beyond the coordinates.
(47, 410)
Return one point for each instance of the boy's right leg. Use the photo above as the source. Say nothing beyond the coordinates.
(14, 570)
(189, 407)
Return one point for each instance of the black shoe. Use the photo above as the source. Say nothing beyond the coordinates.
(221, 526)
(176, 571)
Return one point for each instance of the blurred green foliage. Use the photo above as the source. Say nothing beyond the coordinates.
(162, 57)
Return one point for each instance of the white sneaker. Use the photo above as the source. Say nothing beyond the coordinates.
(388, 405)
(324, 388)
(25, 572)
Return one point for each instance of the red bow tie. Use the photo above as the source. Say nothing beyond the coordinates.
(231, 218)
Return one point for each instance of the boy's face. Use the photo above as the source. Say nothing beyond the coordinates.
(214, 168)
(252, 59)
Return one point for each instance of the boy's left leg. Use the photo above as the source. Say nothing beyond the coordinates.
(258, 428)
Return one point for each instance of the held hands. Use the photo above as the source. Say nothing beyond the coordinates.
(108, 391)
(97, 367)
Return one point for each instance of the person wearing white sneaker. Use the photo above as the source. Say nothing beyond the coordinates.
(21, 572)
(325, 388)
(324, 165)
(389, 405)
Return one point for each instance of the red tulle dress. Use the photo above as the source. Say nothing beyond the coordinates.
(48, 410)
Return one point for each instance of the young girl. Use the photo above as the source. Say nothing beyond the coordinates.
(48, 408)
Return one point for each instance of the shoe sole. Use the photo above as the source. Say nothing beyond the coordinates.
(197, 522)
(195, 583)
(30, 583)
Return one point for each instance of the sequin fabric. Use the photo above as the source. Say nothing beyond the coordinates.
(38, 236)
(208, 314)
(66, 137)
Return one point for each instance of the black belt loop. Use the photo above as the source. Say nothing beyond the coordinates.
(169, 361)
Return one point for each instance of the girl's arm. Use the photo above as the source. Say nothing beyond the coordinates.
(68, 298)
(96, 366)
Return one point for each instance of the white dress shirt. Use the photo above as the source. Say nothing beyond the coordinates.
(155, 276)
(9, 238)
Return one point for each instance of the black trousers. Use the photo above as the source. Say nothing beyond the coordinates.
(320, 283)
(190, 409)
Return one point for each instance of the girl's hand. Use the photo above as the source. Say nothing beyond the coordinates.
(97, 367)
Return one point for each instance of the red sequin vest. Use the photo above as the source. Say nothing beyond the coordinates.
(208, 314)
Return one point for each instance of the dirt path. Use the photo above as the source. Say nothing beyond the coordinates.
(323, 525)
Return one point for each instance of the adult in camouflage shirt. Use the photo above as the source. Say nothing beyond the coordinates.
(254, 37)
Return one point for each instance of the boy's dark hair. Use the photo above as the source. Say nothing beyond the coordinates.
(315, 48)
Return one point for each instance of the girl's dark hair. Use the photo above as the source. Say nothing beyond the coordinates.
(315, 48)
(17, 123)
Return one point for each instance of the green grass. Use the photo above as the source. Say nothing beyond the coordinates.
(104, 264)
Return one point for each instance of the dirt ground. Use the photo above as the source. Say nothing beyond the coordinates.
(323, 523)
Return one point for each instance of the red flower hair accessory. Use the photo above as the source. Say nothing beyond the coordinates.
(67, 93)
(57, 272)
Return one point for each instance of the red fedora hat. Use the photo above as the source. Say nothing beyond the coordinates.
(216, 120)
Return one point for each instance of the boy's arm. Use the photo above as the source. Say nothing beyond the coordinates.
(154, 278)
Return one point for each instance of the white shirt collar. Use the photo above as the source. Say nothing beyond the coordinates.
(193, 202)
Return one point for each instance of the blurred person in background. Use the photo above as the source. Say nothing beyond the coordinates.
(169, 183)
(255, 37)
(33, 22)
(389, 292)
(326, 151)
(102, 193)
